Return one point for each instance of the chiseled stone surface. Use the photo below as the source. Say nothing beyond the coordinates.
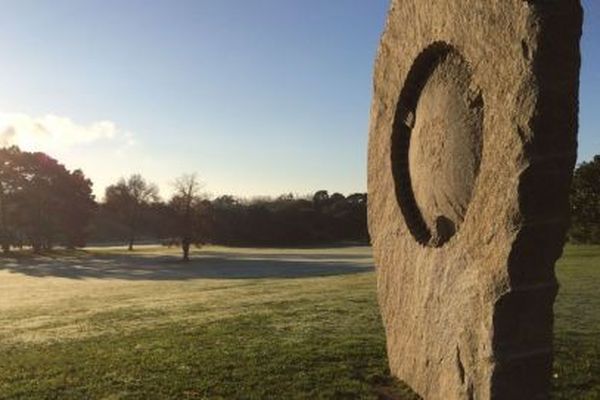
(471, 149)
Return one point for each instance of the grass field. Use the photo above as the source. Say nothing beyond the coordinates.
(233, 323)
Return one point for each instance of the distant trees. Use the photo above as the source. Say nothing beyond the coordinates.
(189, 218)
(187, 207)
(585, 202)
(41, 202)
(289, 220)
(132, 210)
(128, 199)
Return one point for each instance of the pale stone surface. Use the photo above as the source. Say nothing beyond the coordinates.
(472, 144)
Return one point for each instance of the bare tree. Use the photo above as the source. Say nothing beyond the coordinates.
(129, 197)
(186, 202)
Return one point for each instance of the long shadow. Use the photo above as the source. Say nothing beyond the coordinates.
(288, 255)
(206, 265)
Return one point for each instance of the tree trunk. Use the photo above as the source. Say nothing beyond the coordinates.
(185, 246)
(5, 236)
(132, 229)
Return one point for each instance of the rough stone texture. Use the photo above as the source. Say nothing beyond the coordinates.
(471, 149)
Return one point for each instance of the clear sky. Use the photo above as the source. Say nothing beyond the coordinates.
(260, 97)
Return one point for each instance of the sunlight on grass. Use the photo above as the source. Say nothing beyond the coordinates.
(111, 324)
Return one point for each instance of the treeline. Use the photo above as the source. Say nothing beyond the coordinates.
(42, 205)
(283, 221)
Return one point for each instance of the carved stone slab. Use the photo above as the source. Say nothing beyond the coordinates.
(471, 149)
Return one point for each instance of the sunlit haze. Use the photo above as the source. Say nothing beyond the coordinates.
(259, 97)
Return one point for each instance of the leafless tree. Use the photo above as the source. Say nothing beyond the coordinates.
(129, 197)
(186, 202)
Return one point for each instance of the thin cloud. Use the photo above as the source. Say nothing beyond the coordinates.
(51, 132)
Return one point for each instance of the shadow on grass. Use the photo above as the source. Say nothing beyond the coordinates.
(205, 265)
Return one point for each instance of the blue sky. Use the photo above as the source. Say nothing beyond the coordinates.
(260, 97)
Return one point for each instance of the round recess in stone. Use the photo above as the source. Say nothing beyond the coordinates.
(437, 142)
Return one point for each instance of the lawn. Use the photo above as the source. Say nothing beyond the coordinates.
(233, 323)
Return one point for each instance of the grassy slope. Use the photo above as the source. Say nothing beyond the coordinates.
(310, 337)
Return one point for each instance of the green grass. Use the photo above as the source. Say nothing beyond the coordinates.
(231, 325)
(577, 325)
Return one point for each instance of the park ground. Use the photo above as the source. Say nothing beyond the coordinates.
(233, 323)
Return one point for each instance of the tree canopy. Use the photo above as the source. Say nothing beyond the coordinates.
(129, 200)
(41, 202)
(585, 202)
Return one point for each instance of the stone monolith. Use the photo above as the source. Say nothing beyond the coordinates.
(471, 150)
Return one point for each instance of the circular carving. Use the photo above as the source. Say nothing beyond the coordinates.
(437, 144)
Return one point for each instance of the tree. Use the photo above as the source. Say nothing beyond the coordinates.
(10, 181)
(77, 205)
(187, 206)
(585, 202)
(41, 201)
(128, 198)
